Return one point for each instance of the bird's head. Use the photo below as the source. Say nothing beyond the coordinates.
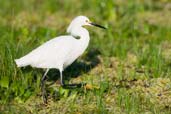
(80, 21)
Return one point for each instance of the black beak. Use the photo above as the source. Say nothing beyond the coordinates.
(94, 24)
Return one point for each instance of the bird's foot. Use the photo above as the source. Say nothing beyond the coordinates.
(44, 94)
(73, 86)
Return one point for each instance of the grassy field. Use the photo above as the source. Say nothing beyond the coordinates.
(127, 67)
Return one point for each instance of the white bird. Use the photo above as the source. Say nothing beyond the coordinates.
(61, 51)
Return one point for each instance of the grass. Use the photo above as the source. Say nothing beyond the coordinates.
(127, 67)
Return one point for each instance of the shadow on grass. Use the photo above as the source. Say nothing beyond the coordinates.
(77, 68)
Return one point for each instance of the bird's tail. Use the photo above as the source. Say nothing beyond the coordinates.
(22, 62)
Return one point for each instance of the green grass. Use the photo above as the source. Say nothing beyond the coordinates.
(127, 66)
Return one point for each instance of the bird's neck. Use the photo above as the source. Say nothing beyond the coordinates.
(83, 35)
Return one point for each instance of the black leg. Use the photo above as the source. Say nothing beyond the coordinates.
(73, 86)
(43, 88)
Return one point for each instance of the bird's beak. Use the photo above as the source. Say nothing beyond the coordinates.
(94, 24)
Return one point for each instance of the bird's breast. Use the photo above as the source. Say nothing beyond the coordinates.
(74, 53)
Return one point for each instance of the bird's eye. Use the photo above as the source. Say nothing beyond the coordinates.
(86, 21)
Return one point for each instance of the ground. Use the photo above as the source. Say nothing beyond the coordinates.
(127, 68)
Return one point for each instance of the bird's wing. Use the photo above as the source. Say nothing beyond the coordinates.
(51, 54)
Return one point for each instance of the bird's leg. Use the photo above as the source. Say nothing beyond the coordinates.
(62, 82)
(43, 86)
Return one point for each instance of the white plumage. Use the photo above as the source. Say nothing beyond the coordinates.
(61, 51)
(56, 53)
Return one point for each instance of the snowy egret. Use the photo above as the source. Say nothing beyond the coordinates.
(61, 51)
